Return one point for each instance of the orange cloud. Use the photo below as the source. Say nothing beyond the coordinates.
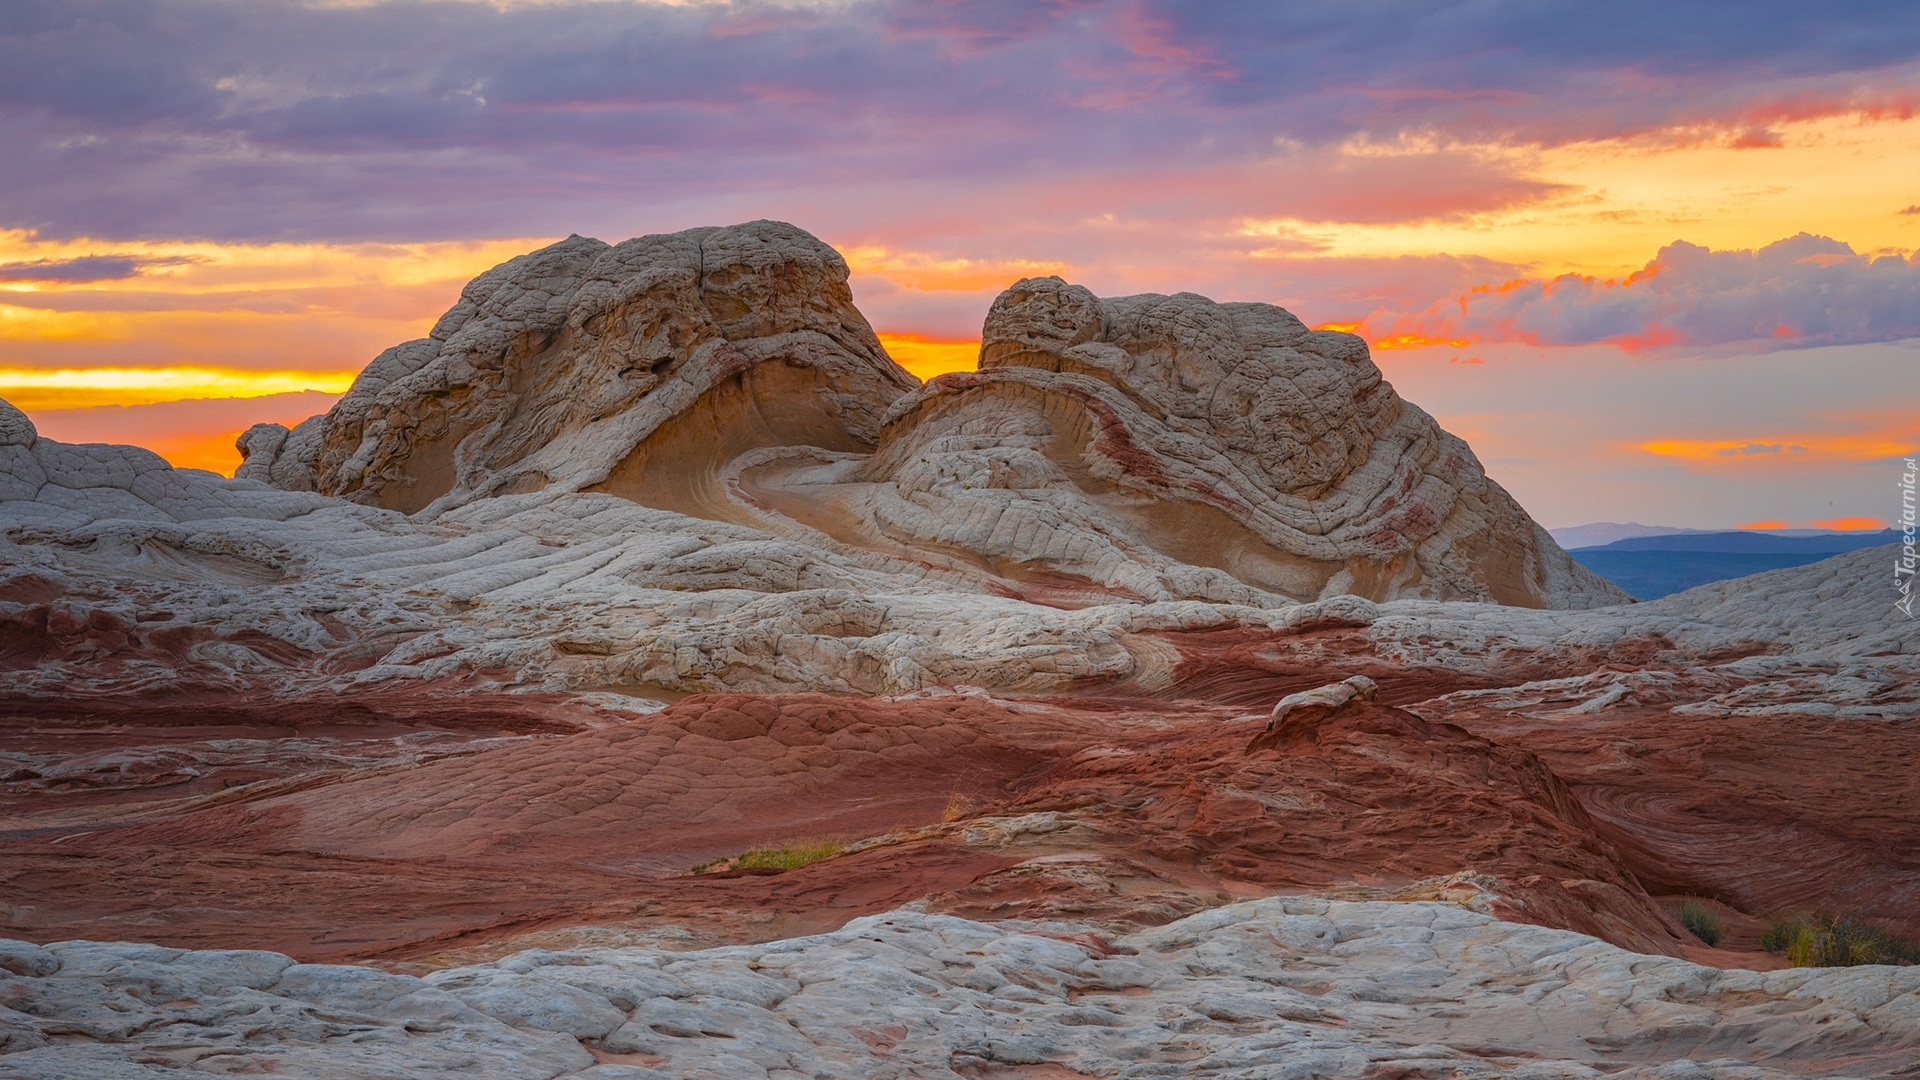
(1399, 338)
(926, 357)
(1418, 341)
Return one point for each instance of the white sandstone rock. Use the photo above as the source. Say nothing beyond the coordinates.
(1251, 990)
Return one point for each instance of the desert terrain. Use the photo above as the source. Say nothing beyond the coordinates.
(1167, 697)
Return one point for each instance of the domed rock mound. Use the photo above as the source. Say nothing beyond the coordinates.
(632, 368)
(1172, 447)
(1138, 448)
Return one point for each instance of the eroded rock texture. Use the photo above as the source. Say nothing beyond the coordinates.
(1277, 987)
(1150, 447)
(1171, 447)
(642, 366)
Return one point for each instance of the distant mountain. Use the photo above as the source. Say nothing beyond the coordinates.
(1650, 567)
(1650, 575)
(1606, 532)
(1748, 542)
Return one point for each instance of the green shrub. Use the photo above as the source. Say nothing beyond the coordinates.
(790, 855)
(1824, 940)
(1701, 921)
(787, 856)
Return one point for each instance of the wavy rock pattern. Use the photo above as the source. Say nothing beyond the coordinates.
(1169, 445)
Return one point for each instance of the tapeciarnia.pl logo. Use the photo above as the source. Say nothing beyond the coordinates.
(1903, 564)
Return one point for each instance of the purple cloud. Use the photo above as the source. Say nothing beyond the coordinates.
(240, 119)
(87, 268)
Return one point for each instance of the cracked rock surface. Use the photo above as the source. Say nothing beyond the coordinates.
(1259, 989)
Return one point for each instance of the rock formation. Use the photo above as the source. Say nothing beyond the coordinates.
(638, 367)
(649, 555)
(1170, 446)
(1150, 447)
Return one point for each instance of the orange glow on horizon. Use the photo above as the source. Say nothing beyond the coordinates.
(1865, 447)
(214, 453)
(195, 433)
(79, 388)
(1850, 524)
(926, 357)
(933, 273)
(1768, 524)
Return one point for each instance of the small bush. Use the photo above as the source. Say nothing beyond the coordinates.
(1825, 940)
(959, 804)
(788, 856)
(1701, 921)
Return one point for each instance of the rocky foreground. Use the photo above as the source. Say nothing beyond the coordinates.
(649, 555)
(1283, 987)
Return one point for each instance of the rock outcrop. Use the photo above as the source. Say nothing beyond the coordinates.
(1145, 447)
(1172, 446)
(639, 367)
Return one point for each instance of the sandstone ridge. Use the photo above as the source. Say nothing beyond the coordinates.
(1169, 445)
(1144, 448)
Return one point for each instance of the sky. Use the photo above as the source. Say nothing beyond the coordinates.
(1654, 261)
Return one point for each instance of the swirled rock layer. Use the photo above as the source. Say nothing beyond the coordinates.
(1169, 446)
(639, 366)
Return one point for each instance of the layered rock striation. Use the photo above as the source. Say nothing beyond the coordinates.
(1146, 447)
(1189, 436)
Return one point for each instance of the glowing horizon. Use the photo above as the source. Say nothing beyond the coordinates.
(1693, 192)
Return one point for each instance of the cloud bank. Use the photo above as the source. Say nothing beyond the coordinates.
(1801, 291)
(250, 119)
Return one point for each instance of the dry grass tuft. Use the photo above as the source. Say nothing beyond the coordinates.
(959, 805)
(1820, 939)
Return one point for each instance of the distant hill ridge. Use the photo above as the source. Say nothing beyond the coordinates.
(1746, 541)
(1602, 533)
(1650, 567)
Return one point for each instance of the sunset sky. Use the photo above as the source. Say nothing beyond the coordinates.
(1656, 262)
